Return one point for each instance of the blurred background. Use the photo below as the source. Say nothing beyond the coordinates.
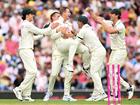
(11, 68)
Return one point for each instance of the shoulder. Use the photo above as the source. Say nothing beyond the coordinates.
(86, 27)
(82, 30)
(26, 23)
(121, 24)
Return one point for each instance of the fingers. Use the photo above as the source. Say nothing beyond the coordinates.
(54, 25)
(89, 10)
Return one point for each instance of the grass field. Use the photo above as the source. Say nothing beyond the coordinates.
(60, 102)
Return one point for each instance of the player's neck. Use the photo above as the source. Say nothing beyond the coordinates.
(115, 21)
(65, 20)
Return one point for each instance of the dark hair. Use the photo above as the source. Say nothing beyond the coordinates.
(53, 15)
(27, 11)
(63, 9)
(83, 19)
(116, 12)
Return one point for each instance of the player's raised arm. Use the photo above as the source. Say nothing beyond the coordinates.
(107, 27)
(94, 16)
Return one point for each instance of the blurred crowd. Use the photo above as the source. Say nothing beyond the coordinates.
(11, 67)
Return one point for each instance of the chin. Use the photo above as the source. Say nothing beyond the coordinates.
(112, 19)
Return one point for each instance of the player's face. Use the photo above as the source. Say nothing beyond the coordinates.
(55, 16)
(30, 17)
(138, 58)
(67, 13)
(80, 24)
(112, 16)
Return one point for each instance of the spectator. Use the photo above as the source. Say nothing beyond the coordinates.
(132, 38)
(137, 70)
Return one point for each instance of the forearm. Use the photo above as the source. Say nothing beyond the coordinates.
(109, 28)
(105, 26)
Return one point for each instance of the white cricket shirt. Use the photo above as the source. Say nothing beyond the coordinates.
(89, 37)
(118, 39)
(28, 29)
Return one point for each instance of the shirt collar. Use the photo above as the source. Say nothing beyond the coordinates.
(28, 21)
(117, 22)
(84, 26)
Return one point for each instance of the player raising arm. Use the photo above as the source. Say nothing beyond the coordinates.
(118, 46)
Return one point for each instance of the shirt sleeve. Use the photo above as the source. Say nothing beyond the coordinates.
(80, 35)
(32, 28)
(37, 37)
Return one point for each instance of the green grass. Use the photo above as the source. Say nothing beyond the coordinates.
(60, 102)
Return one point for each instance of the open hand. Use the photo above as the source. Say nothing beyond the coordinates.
(54, 25)
(62, 29)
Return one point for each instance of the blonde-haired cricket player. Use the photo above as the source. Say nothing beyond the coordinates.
(28, 30)
(60, 55)
(118, 46)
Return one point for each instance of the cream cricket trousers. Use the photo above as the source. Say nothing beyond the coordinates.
(29, 62)
(118, 57)
(96, 63)
(69, 46)
(57, 62)
(61, 57)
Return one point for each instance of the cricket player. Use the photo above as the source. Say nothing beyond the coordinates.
(60, 55)
(89, 37)
(28, 30)
(119, 53)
